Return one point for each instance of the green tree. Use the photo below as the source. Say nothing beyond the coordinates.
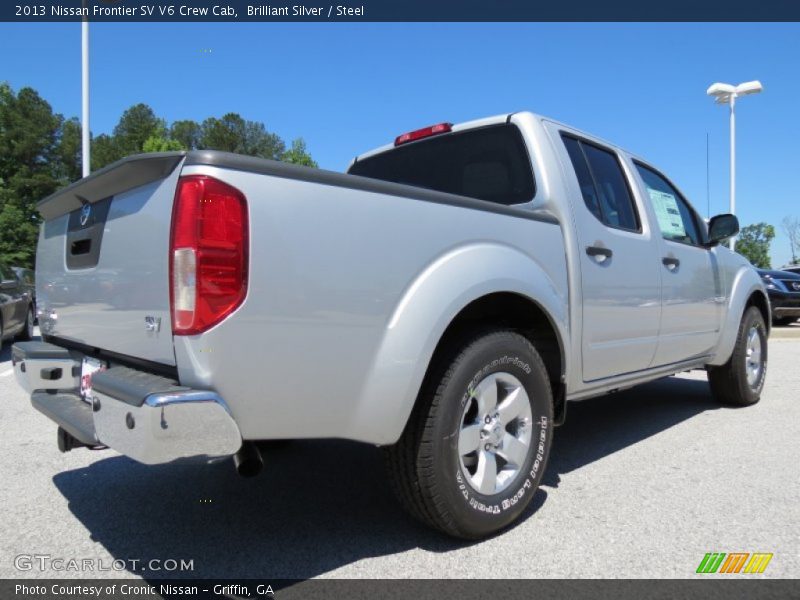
(225, 134)
(298, 154)
(135, 127)
(791, 226)
(187, 133)
(232, 133)
(28, 131)
(260, 142)
(69, 150)
(157, 143)
(104, 151)
(753, 243)
(18, 235)
(30, 165)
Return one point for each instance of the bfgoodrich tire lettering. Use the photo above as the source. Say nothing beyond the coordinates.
(433, 479)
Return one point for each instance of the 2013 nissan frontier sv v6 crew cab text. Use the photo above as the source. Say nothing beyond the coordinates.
(444, 299)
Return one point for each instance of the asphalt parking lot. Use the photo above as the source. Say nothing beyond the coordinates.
(640, 484)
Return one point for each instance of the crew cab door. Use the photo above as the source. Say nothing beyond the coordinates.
(618, 259)
(692, 296)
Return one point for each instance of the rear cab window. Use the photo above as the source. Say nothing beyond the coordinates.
(488, 163)
(603, 184)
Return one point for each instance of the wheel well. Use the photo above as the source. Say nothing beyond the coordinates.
(521, 314)
(758, 300)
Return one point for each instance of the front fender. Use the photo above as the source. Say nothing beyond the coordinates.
(746, 282)
(424, 312)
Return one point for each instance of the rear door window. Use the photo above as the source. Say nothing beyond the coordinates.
(489, 163)
(603, 184)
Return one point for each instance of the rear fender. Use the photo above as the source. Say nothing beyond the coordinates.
(419, 320)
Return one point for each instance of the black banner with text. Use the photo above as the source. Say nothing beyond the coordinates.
(405, 10)
(420, 589)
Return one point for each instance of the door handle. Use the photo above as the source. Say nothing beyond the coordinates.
(599, 253)
(671, 262)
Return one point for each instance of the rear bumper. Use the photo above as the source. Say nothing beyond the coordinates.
(150, 418)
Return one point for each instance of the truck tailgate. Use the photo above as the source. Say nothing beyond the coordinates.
(102, 266)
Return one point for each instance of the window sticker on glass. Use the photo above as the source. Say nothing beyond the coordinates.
(667, 213)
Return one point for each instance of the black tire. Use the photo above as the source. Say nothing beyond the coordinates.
(27, 331)
(729, 382)
(425, 466)
(783, 321)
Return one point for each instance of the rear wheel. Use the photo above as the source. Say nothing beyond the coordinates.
(739, 381)
(475, 448)
(27, 331)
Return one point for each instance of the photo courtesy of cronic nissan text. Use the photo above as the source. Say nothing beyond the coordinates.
(419, 300)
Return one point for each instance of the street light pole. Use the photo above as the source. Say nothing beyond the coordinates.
(726, 93)
(85, 136)
(732, 241)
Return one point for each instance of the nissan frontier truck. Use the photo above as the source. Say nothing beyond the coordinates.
(445, 299)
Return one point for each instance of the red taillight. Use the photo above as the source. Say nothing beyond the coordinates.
(423, 133)
(208, 253)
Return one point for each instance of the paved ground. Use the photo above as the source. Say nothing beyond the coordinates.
(640, 484)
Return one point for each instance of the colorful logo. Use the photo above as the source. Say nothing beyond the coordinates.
(736, 562)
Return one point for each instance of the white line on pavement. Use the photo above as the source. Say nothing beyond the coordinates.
(7, 373)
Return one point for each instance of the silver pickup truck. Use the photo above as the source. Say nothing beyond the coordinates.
(444, 299)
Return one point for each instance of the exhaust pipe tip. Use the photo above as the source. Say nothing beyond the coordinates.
(248, 461)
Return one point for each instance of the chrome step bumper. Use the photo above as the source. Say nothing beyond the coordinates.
(150, 418)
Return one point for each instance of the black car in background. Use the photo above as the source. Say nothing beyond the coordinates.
(16, 306)
(783, 288)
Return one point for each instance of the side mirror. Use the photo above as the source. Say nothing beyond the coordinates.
(722, 227)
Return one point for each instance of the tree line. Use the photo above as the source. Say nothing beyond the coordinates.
(754, 240)
(40, 152)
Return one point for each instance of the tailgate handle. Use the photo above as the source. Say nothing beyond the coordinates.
(81, 247)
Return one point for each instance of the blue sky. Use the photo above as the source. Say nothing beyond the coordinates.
(348, 88)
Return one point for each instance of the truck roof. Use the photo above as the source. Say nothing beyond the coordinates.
(458, 127)
(494, 120)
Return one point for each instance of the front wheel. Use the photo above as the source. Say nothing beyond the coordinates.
(475, 449)
(740, 380)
